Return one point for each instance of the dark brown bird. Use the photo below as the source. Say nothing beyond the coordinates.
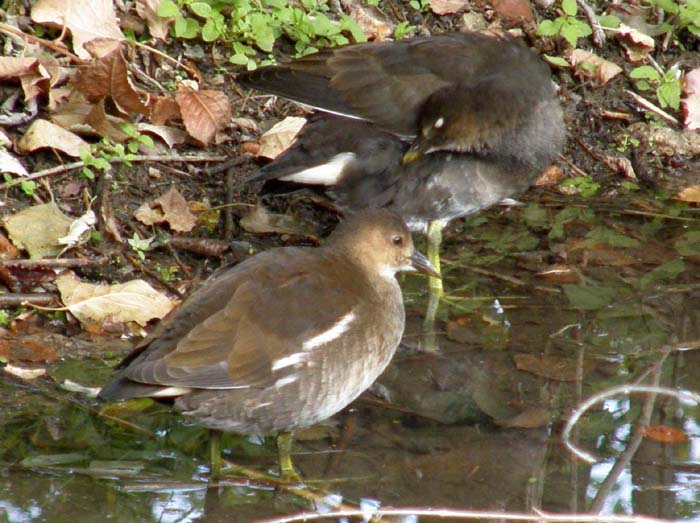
(284, 339)
(433, 127)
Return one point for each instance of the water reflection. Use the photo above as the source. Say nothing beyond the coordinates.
(475, 427)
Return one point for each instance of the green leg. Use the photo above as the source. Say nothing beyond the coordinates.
(434, 284)
(215, 454)
(284, 449)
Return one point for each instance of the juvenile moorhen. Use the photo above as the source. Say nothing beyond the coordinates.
(432, 127)
(284, 339)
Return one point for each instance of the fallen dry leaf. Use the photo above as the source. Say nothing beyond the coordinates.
(375, 24)
(157, 26)
(85, 19)
(32, 75)
(589, 65)
(664, 434)
(689, 194)
(261, 221)
(204, 113)
(513, 9)
(550, 177)
(551, 367)
(107, 77)
(95, 305)
(23, 373)
(280, 136)
(106, 125)
(637, 45)
(37, 229)
(7, 250)
(78, 229)
(10, 164)
(448, 7)
(171, 208)
(162, 109)
(43, 133)
(691, 100)
(170, 135)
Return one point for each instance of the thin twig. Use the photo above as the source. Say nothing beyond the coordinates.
(445, 513)
(647, 105)
(4, 28)
(614, 391)
(138, 158)
(598, 33)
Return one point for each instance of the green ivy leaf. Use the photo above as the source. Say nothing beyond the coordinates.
(609, 21)
(556, 61)
(548, 28)
(201, 9)
(667, 271)
(646, 72)
(167, 9)
(210, 31)
(569, 7)
(669, 95)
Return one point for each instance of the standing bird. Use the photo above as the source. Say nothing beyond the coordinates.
(284, 339)
(433, 127)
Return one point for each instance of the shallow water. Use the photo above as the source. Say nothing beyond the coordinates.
(477, 426)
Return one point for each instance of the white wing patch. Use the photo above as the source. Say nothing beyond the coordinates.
(325, 174)
(292, 359)
(335, 332)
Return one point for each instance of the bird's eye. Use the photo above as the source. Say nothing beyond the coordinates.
(397, 240)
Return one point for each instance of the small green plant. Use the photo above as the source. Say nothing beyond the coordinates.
(255, 25)
(625, 142)
(583, 185)
(4, 318)
(101, 154)
(167, 274)
(666, 84)
(420, 5)
(139, 246)
(681, 15)
(567, 26)
(402, 29)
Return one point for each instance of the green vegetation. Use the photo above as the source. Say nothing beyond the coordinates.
(567, 25)
(256, 25)
(666, 84)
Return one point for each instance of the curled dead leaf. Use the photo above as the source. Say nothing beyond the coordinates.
(133, 301)
(204, 113)
(280, 136)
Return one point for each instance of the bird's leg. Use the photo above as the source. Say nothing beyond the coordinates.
(214, 454)
(284, 449)
(434, 284)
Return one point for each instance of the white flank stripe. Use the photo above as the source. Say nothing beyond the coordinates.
(324, 174)
(285, 381)
(337, 330)
(292, 359)
(170, 392)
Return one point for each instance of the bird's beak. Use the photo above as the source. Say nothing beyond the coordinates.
(420, 263)
(415, 152)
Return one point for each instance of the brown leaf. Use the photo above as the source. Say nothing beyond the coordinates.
(551, 176)
(664, 434)
(10, 164)
(133, 301)
(204, 112)
(448, 7)
(551, 367)
(7, 250)
(589, 65)
(162, 109)
(157, 26)
(529, 419)
(513, 9)
(375, 24)
(691, 100)
(27, 350)
(85, 19)
(689, 194)
(173, 209)
(106, 125)
(32, 75)
(37, 229)
(170, 135)
(637, 45)
(43, 133)
(107, 76)
(280, 136)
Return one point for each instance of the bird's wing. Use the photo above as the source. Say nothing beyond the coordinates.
(254, 340)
